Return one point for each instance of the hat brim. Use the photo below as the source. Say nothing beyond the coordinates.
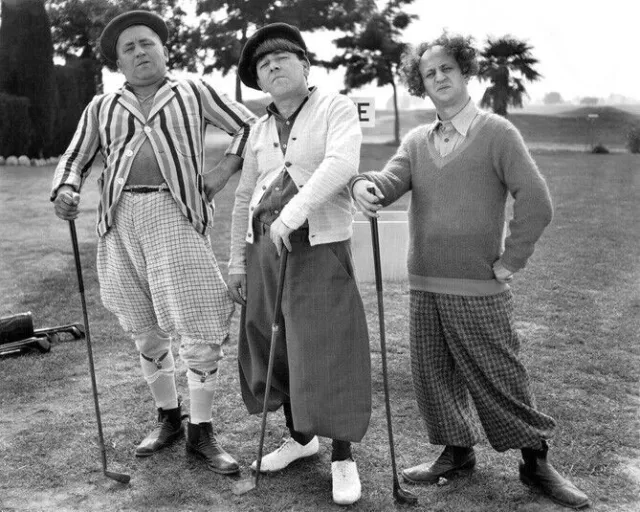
(110, 34)
(272, 31)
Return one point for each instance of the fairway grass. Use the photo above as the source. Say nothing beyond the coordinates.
(577, 310)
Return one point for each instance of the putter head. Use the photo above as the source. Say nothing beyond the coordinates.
(118, 477)
(244, 486)
(403, 496)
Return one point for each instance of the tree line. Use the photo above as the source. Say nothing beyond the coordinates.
(41, 102)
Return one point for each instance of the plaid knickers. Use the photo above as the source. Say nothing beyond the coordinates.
(467, 347)
(156, 269)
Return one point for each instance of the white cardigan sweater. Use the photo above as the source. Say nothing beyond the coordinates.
(323, 154)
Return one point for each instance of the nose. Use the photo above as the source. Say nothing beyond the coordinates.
(439, 75)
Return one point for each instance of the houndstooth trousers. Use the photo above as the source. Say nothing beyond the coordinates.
(465, 348)
(154, 269)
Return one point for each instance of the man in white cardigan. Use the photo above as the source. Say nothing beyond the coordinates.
(293, 192)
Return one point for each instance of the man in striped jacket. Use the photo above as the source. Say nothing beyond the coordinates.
(156, 267)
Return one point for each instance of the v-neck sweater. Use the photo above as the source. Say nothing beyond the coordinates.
(457, 209)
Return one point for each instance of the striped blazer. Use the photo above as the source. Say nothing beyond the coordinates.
(114, 125)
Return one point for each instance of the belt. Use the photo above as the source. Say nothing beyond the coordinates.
(260, 229)
(144, 189)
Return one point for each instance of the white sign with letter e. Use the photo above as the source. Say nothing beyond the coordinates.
(366, 111)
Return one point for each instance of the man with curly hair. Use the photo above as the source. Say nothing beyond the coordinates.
(464, 345)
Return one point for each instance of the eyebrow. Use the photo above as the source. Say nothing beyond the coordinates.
(142, 40)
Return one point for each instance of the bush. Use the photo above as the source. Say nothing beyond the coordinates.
(599, 149)
(633, 140)
(15, 125)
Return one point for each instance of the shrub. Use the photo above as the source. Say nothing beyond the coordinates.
(633, 140)
(15, 125)
(599, 149)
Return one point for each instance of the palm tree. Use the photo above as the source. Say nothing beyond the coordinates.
(506, 62)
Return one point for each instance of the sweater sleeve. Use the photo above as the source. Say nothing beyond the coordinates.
(340, 163)
(532, 208)
(240, 215)
(394, 180)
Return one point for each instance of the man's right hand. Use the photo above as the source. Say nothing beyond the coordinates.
(237, 285)
(66, 203)
(367, 196)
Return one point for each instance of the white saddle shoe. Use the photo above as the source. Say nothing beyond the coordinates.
(346, 482)
(288, 452)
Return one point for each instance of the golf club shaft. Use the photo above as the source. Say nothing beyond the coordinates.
(275, 329)
(76, 254)
(383, 342)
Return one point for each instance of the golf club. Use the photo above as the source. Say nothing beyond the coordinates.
(400, 495)
(118, 477)
(251, 483)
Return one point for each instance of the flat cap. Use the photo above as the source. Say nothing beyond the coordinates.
(110, 34)
(282, 31)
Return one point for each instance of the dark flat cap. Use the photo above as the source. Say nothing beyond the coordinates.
(114, 28)
(272, 31)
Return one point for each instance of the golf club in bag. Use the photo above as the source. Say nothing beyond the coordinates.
(400, 495)
(251, 483)
(118, 477)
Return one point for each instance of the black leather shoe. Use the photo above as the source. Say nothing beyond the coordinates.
(537, 472)
(202, 443)
(168, 430)
(451, 461)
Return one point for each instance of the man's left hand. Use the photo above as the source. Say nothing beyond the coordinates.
(279, 233)
(502, 274)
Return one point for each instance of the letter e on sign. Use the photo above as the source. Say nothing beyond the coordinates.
(366, 111)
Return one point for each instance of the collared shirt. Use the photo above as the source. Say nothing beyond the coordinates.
(448, 135)
(113, 125)
(283, 188)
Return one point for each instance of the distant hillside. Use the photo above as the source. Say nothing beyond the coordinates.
(566, 127)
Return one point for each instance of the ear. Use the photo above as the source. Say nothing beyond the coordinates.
(166, 54)
(118, 65)
(307, 67)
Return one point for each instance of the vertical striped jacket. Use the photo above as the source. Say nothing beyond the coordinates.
(113, 125)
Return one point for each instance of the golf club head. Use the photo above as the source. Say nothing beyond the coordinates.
(403, 496)
(244, 486)
(118, 477)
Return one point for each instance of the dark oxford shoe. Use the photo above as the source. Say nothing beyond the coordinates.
(202, 444)
(168, 430)
(452, 460)
(537, 472)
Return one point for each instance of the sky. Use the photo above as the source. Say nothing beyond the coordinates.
(583, 48)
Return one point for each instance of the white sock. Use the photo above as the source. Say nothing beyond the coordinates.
(201, 395)
(162, 381)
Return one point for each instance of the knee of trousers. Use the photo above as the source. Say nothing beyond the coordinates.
(201, 356)
(153, 342)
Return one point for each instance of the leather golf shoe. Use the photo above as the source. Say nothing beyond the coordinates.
(168, 430)
(537, 472)
(288, 452)
(346, 482)
(202, 444)
(451, 461)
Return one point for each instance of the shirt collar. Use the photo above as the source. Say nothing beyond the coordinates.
(168, 80)
(461, 121)
(272, 110)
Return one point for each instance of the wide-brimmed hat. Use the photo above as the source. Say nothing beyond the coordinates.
(114, 28)
(279, 31)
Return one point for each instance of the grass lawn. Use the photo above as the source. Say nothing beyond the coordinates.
(577, 307)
